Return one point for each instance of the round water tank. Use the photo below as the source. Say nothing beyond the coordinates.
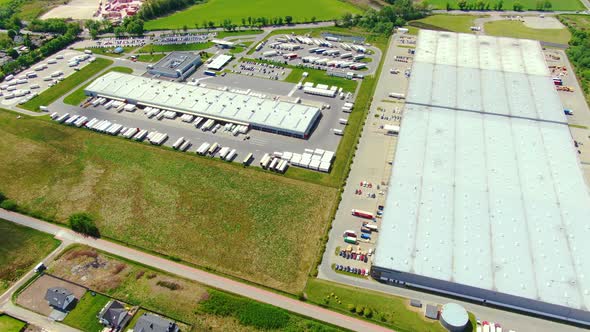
(454, 317)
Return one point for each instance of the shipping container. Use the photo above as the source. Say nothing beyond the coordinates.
(185, 146)
(178, 143)
(223, 152)
(230, 156)
(213, 149)
(247, 159)
(265, 160)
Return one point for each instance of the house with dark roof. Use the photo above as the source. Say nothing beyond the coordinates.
(153, 323)
(59, 298)
(114, 315)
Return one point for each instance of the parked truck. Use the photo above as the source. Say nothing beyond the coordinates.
(363, 214)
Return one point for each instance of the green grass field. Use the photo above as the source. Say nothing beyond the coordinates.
(519, 30)
(170, 48)
(390, 311)
(83, 316)
(190, 207)
(320, 76)
(151, 58)
(528, 4)
(55, 92)
(76, 97)
(456, 23)
(235, 10)
(20, 249)
(9, 324)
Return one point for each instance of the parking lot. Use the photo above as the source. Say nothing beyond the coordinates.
(319, 53)
(367, 184)
(262, 70)
(28, 83)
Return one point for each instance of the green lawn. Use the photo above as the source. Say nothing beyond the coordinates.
(9, 324)
(235, 10)
(242, 46)
(320, 76)
(507, 4)
(21, 248)
(55, 92)
(178, 47)
(387, 310)
(76, 97)
(456, 23)
(150, 57)
(517, 29)
(83, 316)
(244, 222)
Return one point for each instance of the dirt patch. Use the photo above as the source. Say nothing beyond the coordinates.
(76, 9)
(33, 298)
(536, 22)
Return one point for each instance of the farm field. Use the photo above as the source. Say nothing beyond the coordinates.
(219, 10)
(238, 221)
(55, 92)
(456, 23)
(76, 97)
(9, 324)
(183, 300)
(517, 29)
(556, 5)
(20, 249)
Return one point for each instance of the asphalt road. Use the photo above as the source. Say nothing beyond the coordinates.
(203, 277)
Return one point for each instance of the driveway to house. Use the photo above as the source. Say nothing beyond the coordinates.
(229, 285)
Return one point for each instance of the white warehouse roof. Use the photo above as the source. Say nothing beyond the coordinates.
(220, 61)
(486, 188)
(285, 117)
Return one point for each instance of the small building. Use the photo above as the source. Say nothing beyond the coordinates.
(153, 323)
(59, 298)
(114, 315)
(219, 62)
(431, 311)
(223, 43)
(177, 65)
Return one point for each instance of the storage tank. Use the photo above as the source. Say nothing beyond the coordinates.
(454, 317)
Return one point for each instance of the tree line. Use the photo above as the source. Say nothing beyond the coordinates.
(541, 5)
(156, 8)
(386, 19)
(579, 54)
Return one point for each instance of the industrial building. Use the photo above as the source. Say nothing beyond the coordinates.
(177, 65)
(279, 117)
(486, 198)
(219, 62)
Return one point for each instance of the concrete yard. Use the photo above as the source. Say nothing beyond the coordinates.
(75, 9)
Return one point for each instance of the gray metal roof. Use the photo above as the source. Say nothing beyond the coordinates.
(486, 188)
(57, 296)
(233, 107)
(176, 62)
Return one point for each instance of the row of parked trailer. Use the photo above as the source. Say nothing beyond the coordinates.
(320, 43)
(274, 163)
(107, 127)
(225, 153)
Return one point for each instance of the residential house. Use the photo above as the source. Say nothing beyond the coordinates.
(153, 323)
(114, 315)
(59, 298)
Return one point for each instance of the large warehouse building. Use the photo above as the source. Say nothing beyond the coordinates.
(263, 114)
(486, 199)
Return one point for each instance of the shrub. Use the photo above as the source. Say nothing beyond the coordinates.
(139, 274)
(368, 313)
(9, 204)
(118, 268)
(151, 276)
(83, 223)
(351, 308)
(2, 197)
(359, 309)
